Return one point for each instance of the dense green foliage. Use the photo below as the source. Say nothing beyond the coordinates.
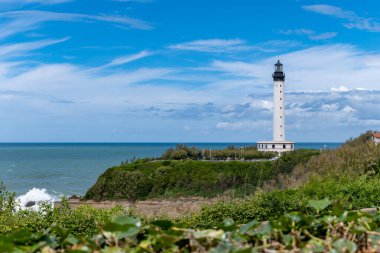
(289, 160)
(181, 152)
(339, 231)
(180, 178)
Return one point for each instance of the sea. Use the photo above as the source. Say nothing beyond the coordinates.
(66, 169)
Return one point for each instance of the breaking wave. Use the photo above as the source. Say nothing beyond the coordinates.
(34, 198)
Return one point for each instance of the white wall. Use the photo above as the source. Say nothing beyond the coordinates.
(278, 112)
(275, 147)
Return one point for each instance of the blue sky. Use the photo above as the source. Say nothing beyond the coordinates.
(186, 71)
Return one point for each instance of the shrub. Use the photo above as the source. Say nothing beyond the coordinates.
(180, 178)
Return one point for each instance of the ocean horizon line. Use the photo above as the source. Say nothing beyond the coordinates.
(184, 142)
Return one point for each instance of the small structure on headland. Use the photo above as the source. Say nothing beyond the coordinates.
(279, 142)
(376, 137)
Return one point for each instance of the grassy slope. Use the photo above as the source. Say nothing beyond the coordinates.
(354, 158)
(349, 175)
(172, 178)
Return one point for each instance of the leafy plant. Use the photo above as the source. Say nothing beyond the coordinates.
(341, 231)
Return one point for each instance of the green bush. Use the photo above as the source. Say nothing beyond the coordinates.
(180, 178)
(289, 160)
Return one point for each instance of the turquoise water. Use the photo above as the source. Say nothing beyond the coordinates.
(67, 169)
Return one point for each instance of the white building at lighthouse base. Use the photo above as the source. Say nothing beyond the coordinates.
(275, 146)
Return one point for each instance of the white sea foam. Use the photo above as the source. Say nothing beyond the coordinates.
(35, 198)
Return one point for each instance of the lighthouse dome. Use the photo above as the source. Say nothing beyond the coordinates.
(278, 63)
(278, 74)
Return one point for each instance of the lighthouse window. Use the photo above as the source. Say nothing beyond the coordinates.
(280, 125)
(273, 146)
(280, 98)
(284, 146)
(280, 91)
(280, 107)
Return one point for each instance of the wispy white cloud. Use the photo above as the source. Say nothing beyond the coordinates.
(340, 89)
(323, 36)
(316, 68)
(353, 20)
(22, 21)
(12, 4)
(126, 59)
(23, 2)
(311, 34)
(213, 45)
(277, 45)
(233, 46)
(331, 11)
(244, 125)
(16, 49)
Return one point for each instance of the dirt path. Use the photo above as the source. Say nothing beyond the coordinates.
(172, 208)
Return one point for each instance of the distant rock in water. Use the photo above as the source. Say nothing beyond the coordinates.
(30, 204)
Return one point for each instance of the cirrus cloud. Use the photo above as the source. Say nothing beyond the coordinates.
(352, 19)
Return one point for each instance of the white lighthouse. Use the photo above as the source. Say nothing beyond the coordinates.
(279, 143)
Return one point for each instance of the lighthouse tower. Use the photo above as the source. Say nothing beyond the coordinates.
(278, 103)
(279, 143)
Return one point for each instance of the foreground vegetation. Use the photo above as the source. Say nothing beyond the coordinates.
(339, 231)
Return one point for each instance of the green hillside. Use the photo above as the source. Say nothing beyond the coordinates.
(179, 178)
(174, 178)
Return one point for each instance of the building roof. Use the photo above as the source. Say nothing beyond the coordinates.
(275, 142)
(376, 135)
